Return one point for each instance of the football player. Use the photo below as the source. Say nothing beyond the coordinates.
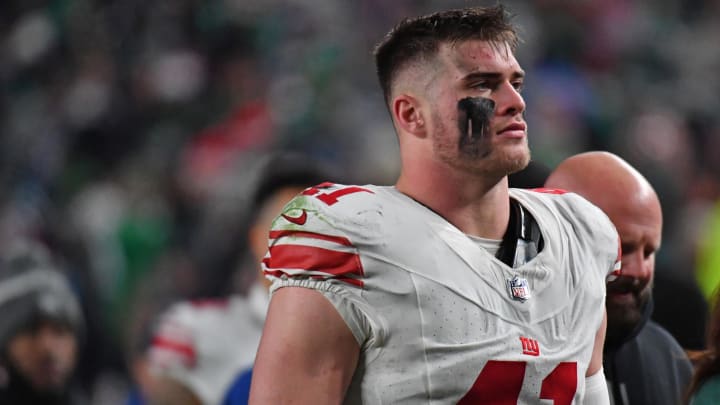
(447, 287)
(201, 346)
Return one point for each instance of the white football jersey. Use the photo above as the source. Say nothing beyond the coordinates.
(205, 344)
(438, 319)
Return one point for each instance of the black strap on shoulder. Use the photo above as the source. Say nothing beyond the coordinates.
(522, 240)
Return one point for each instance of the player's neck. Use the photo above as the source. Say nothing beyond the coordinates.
(473, 207)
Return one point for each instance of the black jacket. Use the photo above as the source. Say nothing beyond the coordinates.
(647, 367)
(16, 390)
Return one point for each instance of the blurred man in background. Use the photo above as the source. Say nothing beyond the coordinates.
(40, 327)
(643, 363)
(201, 346)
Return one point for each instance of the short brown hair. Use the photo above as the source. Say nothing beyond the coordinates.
(418, 38)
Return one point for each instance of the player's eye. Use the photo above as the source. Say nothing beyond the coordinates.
(518, 85)
(481, 85)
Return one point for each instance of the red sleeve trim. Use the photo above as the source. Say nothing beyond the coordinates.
(186, 351)
(341, 240)
(337, 265)
(549, 190)
(353, 281)
(314, 259)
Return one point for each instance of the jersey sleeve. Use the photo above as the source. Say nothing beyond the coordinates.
(173, 351)
(317, 242)
(177, 352)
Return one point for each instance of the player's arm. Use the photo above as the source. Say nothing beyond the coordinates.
(173, 359)
(307, 354)
(596, 392)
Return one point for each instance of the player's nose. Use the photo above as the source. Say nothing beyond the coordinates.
(509, 101)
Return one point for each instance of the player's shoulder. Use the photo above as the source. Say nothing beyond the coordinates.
(573, 212)
(337, 198)
(323, 231)
(566, 204)
(174, 338)
(331, 206)
(554, 196)
(197, 313)
(198, 307)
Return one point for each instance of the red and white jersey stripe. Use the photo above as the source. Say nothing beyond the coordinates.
(313, 254)
(204, 344)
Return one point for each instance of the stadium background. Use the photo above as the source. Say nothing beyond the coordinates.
(129, 129)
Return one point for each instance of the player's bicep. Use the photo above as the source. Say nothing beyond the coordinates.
(307, 353)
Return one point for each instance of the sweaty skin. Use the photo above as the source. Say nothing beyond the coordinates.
(474, 114)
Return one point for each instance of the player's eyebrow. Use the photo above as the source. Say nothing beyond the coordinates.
(472, 76)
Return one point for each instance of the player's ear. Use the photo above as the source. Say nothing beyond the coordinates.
(408, 115)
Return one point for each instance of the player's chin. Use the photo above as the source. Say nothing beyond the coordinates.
(516, 159)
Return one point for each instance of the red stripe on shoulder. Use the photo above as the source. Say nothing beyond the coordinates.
(313, 235)
(186, 351)
(549, 190)
(338, 265)
(314, 259)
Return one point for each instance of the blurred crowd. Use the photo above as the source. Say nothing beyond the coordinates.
(130, 131)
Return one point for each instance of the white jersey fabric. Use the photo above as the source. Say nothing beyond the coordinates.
(204, 344)
(433, 312)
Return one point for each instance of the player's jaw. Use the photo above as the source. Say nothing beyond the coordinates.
(510, 143)
(483, 157)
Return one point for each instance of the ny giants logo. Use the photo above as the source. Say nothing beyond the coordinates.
(530, 346)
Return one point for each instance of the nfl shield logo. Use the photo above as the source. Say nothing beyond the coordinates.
(519, 289)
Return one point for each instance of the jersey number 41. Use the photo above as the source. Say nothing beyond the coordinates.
(500, 382)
